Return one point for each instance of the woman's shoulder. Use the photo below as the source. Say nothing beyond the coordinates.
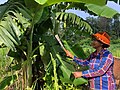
(106, 52)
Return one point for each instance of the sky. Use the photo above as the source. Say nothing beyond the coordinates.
(2, 1)
(82, 14)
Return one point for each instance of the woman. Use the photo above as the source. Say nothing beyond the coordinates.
(100, 62)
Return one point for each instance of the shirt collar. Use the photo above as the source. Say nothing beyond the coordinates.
(94, 54)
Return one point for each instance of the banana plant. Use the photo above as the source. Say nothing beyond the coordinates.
(15, 23)
(97, 8)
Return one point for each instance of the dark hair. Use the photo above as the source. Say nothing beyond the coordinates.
(104, 45)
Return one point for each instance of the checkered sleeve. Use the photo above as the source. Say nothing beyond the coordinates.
(106, 62)
(81, 61)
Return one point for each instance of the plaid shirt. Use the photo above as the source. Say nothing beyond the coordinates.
(100, 72)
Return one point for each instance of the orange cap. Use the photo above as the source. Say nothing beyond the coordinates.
(103, 37)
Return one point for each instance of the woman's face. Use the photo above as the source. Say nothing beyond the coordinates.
(95, 43)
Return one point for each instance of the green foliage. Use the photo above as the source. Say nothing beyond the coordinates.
(41, 1)
(79, 51)
(7, 81)
(4, 62)
(116, 41)
(65, 75)
(14, 68)
(55, 74)
(76, 50)
(10, 30)
(115, 48)
(63, 69)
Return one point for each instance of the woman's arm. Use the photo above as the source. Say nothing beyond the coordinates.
(106, 62)
(81, 61)
(77, 60)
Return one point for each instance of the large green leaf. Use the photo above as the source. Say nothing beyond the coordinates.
(32, 5)
(51, 2)
(66, 64)
(67, 77)
(78, 51)
(68, 47)
(65, 74)
(65, 69)
(36, 10)
(37, 15)
(104, 11)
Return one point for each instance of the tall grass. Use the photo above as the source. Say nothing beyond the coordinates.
(115, 49)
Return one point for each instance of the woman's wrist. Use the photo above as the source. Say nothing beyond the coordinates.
(77, 74)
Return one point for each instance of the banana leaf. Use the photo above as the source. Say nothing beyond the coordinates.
(51, 2)
(78, 50)
(67, 77)
(80, 81)
(68, 47)
(104, 11)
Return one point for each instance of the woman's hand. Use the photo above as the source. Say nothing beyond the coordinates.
(77, 74)
(68, 53)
